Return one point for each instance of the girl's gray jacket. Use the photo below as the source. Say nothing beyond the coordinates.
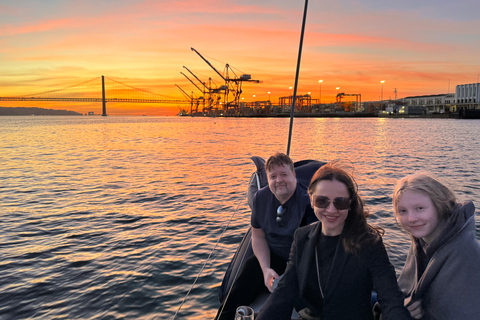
(449, 288)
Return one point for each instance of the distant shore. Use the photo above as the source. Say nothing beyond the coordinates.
(34, 111)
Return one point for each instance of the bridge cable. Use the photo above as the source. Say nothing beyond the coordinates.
(51, 91)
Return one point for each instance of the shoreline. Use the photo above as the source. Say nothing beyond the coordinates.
(473, 115)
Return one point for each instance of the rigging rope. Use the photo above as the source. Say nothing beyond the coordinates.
(244, 252)
(206, 261)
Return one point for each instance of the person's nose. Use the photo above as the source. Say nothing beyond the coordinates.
(331, 207)
(412, 217)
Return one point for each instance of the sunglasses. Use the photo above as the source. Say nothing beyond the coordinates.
(280, 211)
(339, 203)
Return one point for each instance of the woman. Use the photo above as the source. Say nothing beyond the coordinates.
(336, 263)
(441, 277)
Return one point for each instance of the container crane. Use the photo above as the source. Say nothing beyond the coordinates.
(192, 82)
(192, 99)
(203, 83)
(207, 91)
(232, 85)
(358, 99)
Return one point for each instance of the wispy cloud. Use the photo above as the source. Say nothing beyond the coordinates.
(416, 47)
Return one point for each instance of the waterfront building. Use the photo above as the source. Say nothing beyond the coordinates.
(468, 96)
(432, 104)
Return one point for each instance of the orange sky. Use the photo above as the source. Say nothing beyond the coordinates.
(424, 47)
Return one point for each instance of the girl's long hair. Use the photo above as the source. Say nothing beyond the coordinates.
(443, 198)
(356, 231)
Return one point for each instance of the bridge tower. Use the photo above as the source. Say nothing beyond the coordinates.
(104, 102)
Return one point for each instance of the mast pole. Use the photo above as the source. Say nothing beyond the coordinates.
(292, 113)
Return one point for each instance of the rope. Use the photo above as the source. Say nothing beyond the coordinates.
(244, 253)
(234, 279)
(206, 261)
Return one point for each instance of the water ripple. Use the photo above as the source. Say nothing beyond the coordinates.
(113, 218)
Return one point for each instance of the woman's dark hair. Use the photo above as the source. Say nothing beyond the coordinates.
(356, 231)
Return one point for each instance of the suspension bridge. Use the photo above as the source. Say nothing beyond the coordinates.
(111, 91)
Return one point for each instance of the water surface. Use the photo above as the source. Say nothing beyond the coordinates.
(114, 217)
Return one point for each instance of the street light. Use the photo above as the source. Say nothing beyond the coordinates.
(268, 95)
(320, 95)
(381, 97)
(291, 95)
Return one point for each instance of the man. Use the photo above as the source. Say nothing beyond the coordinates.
(277, 211)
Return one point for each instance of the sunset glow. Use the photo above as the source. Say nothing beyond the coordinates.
(414, 47)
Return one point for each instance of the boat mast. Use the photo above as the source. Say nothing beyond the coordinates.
(292, 113)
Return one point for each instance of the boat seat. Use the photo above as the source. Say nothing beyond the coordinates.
(260, 301)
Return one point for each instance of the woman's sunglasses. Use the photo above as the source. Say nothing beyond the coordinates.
(340, 203)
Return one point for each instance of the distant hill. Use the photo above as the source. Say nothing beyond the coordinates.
(18, 111)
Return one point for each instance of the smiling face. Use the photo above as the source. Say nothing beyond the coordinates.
(418, 215)
(331, 218)
(282, 182)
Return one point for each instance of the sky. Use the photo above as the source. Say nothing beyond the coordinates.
(416, 47)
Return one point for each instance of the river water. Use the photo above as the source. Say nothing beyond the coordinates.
(114, 217)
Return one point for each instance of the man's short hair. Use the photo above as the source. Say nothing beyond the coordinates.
(278, 159)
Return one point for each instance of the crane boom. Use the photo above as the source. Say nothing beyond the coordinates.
(186, 94)
(192, 82)
(203, 83)
(211, 66)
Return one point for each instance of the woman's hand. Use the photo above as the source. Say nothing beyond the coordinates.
(415, 308)
(268, 275)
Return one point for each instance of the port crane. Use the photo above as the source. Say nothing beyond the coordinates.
(193, 100)
(192, 82)
(212, 93)
(358, 99)
(233, 85)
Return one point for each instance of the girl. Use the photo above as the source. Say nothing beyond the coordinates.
(335, 263)
(441, 277)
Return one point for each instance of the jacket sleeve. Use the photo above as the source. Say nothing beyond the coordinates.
(385, 283)
(281, 302)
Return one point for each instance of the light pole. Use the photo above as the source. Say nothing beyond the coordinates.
(381, 97)
(268, 95)
(337, 88)
(291, 95)
(320, 95)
